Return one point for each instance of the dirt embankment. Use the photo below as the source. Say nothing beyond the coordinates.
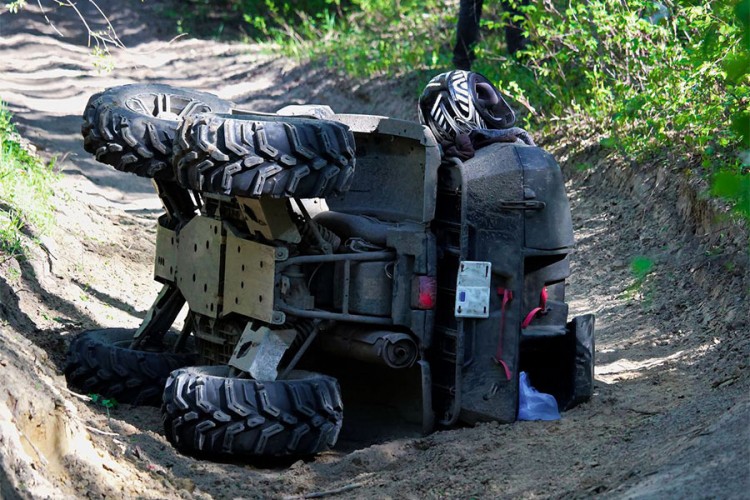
(670, 414)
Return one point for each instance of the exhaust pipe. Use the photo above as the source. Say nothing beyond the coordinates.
(394, 349)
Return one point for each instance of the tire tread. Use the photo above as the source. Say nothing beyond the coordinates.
(133, 140)
(246, 156)
(95, 364)
(230, 416)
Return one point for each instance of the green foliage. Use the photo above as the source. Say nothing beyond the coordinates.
(651, 80)
(362, 37)
(665, 80)
(15, 6)
(106, 403)
(202, 17)
(25, 190)
(734, 183)
(641, 267)
(733, 186)
(260, 17)
(102, 60)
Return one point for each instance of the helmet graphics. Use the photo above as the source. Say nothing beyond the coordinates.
(458, 102)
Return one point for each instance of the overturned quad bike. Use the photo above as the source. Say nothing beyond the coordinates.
(410, 280)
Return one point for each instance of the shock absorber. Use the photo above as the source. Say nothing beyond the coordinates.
(319, 239)
(316, 239)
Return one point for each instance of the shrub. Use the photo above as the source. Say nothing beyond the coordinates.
(26, 188)
(651, 80)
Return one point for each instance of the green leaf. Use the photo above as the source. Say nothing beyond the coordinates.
(641, 267)
(734, 187)
(742, 11)
(741, 126)
(737, 67)
(109, 403)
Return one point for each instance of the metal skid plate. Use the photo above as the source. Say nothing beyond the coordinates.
(269, 217)
(259, 352)
(473, 290)
(199, 249)
(249, 279)
(165, 264)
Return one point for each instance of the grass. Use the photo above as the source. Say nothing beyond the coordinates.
(369, 38)
(26, 191)
(646, 88)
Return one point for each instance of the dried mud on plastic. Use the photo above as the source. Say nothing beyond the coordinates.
(671, 408)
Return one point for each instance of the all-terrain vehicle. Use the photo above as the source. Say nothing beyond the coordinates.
(313, 248)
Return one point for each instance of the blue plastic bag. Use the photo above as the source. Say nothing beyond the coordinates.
(535, 405)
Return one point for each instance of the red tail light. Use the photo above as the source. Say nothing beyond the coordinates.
(424, 292)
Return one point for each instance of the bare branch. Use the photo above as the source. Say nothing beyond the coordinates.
(44, 13)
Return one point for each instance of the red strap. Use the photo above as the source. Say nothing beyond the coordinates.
(534, 312)
(530, 317)
(507, 297)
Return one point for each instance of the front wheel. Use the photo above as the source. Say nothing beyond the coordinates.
(132, 127)
(102, 362)
(208, 413)
(264, 155)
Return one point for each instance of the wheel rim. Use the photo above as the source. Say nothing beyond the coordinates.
(166, 106)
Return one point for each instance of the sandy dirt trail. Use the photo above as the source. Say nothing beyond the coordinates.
(671, 413)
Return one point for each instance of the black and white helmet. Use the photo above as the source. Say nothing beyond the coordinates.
(458, 102)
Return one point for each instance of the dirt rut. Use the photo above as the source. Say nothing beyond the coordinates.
(670, 413)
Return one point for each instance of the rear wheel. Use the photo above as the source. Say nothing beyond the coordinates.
(208, 413)
(131, 127)
(102, 362)
(264, 155)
